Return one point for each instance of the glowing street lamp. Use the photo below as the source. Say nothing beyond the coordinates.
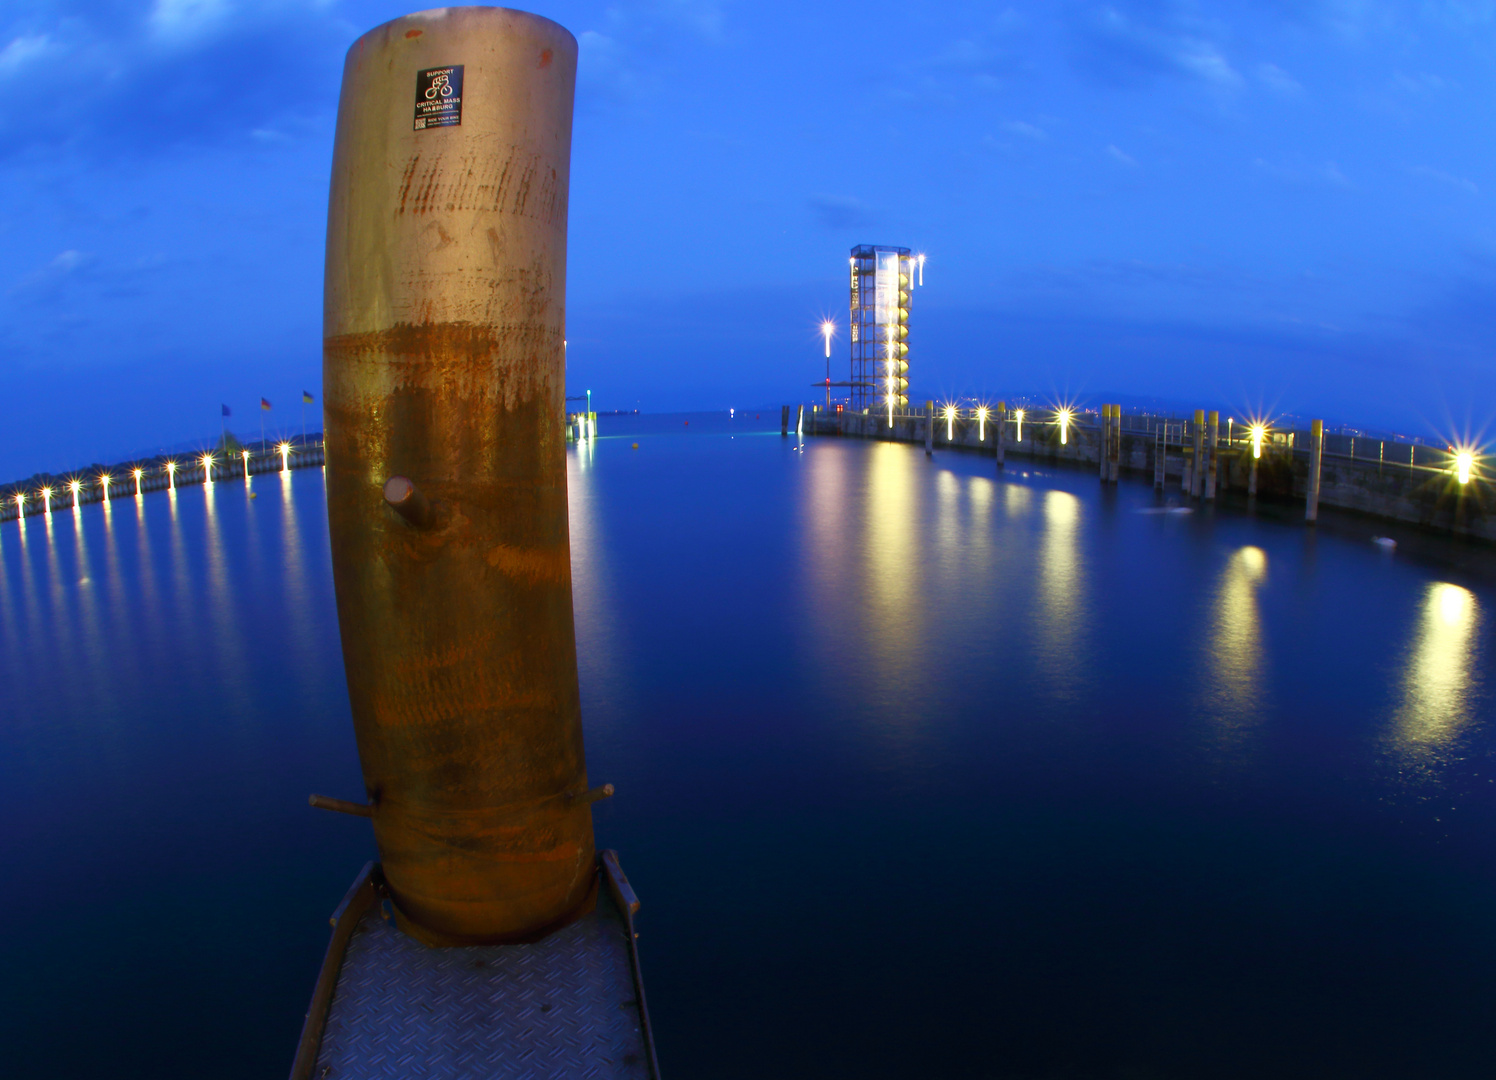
(827, 329)
(950, 423)
(207, 468)
(1463, 461)
(74, 486)
(104, 481)
(46, 500)
(285, 452)
(1062, 417)
(921, 259)
(171, 475)
(245, 454)
(138, 474)
(20, 504)
(1018, 415)
(1258, 431)
(982, 424)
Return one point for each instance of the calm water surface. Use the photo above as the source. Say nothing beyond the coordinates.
(921, 771)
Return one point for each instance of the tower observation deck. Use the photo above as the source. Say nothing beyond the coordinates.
(882, 280)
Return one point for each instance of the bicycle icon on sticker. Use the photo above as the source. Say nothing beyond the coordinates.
(439, 97)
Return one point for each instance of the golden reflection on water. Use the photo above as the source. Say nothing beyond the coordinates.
(88, 601)
(1437, 680)
(229, 644)
(1235, 657)
(1061, 595)
(892, 568)
(595, 619)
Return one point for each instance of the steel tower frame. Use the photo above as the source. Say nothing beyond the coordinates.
(879, 326)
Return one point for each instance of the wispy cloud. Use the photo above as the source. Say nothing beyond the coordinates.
(1028, 131)
(1445, 178)
(841, 212)
(1135, 48)
(183, 19)
(1422, 83)
(605, 70)
(1327, 173)
(182, 72)
(20, 52)
(1118, 155)
(1278, 80)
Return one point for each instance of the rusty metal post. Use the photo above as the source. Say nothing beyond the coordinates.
(1212, 447)
(444, 318)
(1316, 462)
(1104, 441)
(1197, 476)
(1000, 436)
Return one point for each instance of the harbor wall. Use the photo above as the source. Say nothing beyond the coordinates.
(1415, 484)
(155, 476)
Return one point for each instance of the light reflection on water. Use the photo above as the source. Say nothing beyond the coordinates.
(1439, 675)
(1059, 618)
(893, 566)
(1234, 653)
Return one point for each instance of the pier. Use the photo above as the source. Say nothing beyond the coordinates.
(46, 492)
(1423, 485)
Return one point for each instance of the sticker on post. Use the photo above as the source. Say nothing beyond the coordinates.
(439, 97)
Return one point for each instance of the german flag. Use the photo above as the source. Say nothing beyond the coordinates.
(265, 404)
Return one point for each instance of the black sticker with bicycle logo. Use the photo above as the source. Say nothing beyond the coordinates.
(439, 97)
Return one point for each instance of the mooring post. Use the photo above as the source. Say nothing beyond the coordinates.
(784, 421)
(929, 429)
(444, 363)
(1316, 459)
(1252, 478)
(1197, 474)
(1001, 435)
(1104, 439)
(1114, 448)
(1212, 438)
(1160, 454)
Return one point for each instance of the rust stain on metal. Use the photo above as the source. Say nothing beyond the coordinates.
(475, 187)
(534, 565)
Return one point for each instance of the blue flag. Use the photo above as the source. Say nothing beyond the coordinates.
(226, 411)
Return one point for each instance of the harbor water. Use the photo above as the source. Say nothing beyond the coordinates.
(922, 769)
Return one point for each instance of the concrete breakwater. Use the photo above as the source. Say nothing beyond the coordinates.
(1408, 482)
(47, 492)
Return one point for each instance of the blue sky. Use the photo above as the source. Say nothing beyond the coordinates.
(1277, 205)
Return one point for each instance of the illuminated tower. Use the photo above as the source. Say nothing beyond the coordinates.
(881, 282)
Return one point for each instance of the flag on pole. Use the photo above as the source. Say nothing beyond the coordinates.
(264, 404)
(226, 411)
(306, 399)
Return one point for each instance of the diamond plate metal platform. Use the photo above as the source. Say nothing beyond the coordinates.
(569, 1007)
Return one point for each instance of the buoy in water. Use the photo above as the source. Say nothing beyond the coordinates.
(1386, 543)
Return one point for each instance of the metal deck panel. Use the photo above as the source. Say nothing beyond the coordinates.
(564, 1007)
